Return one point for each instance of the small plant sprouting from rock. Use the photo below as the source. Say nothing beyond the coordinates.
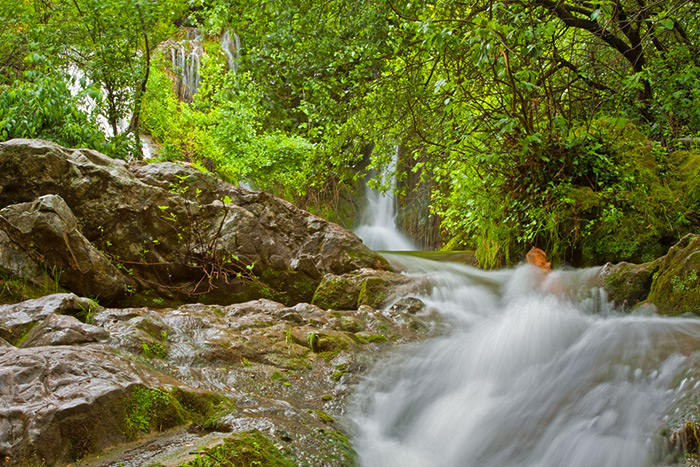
(313, 339)
(155, 350)
(147, 408)
(681, 284)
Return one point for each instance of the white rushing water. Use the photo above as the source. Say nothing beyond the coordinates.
(533, 371)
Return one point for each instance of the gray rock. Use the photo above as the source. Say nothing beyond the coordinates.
(181, 233)
(408, 305)
(62, 402)
(18, 319)
(49, 234)
(63, 330)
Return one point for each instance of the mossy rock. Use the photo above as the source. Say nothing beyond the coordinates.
(627, 283)
(153, 409)
(374, 292)
(676, 287)
(337, 292)
(352, 290)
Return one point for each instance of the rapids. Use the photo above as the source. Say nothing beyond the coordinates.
(531, 370)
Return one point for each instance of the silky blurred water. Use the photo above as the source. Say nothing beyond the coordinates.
(534, 370)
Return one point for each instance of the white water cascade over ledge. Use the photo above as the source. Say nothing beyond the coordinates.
(378, 229)
(532, 371)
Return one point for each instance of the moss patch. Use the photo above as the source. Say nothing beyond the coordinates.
(151, 409)
(147, 410)
(247, 449)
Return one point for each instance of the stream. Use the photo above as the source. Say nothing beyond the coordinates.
(530, 370)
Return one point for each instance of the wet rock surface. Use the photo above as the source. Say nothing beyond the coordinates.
(172, 231)
(115, 391)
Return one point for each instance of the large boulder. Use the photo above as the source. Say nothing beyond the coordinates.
(364, 287)
(174, 231)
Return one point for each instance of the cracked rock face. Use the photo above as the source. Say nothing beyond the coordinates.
(168, 228)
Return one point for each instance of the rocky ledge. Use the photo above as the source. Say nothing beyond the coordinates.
(158, 233)
(252, 382)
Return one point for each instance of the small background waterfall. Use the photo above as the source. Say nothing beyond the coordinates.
(378, 229)
(531, 371)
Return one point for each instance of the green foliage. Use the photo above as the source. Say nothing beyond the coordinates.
(530, 124)
(596, 192)
(223, 128)
(40, 105)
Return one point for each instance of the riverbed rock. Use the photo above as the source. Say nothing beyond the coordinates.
(178, 233)
(63, 330)
(16, 320)
(235, 372)
(670, 283)
(676, 288)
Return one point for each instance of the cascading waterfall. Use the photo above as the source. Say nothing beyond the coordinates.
(535, 371)
(231, 45)
(378, 229)
(186, 60)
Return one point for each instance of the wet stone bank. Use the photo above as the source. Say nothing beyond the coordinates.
(252, 382)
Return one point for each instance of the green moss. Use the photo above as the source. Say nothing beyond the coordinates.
(340, 449)
(151, 409)
(154, 350)
(280, 378)
(287, 287)
(373, 292)
(368, 337)
(336, 292)
(629, 283)
(17, 336)
(247, 449)
(340, 371)
(147, 410)
(14, 289)
(331, 343)
(205, 410)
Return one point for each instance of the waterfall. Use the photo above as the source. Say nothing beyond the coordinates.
(535, 371)
(378, 229)
(231, 45)
(186, 60)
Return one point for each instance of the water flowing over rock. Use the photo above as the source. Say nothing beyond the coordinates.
(171, 231)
